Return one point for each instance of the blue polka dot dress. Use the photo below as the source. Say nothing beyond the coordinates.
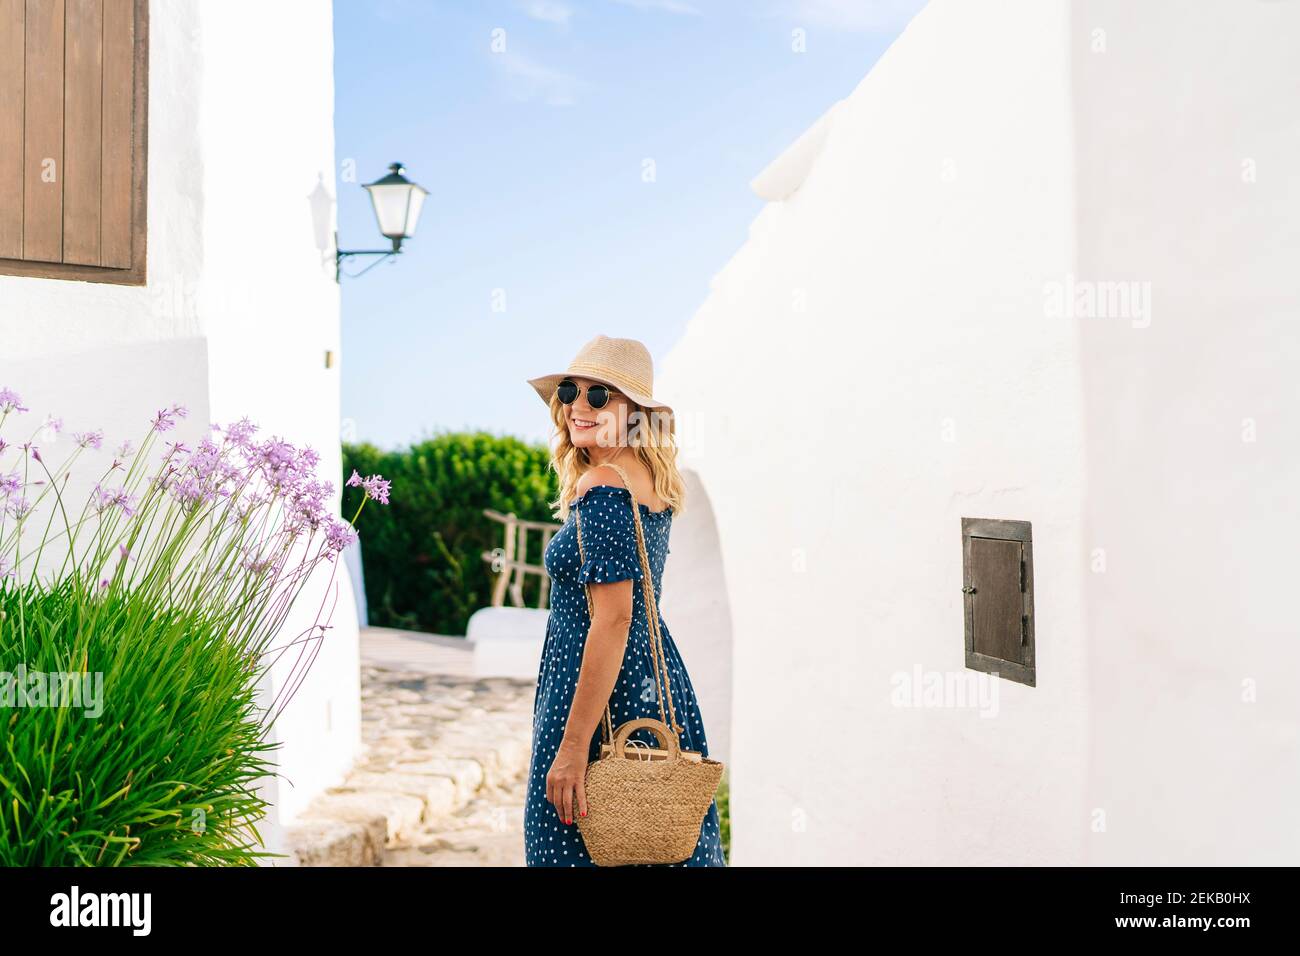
(609, 544)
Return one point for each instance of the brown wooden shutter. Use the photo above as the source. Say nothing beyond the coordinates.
(72, 138)
(12, 38)
(998, 583)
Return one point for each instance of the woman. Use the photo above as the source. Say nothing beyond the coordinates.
(609, 425)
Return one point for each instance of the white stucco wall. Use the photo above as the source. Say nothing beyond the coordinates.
(272, 307)
(697, 613)
(1193, 442)
(240, 296)
(898, 375)
(905, 287)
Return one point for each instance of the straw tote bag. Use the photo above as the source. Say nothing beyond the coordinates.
(645, 804)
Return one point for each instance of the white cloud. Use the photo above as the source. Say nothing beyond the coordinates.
(665, 6)
(549, 11)
(866, 16)
(527, 80)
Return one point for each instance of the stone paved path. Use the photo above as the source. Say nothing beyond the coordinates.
(445, 762)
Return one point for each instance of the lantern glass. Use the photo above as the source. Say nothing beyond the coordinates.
(397, 203)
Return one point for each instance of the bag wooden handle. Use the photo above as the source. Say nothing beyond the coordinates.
(660, 730)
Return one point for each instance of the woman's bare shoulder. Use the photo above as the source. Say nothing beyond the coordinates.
(599, 475)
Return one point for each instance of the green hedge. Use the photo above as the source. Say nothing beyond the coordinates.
(422, 555)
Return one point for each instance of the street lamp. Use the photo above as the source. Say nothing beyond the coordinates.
(397, 203)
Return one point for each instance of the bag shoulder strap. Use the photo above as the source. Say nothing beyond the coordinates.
(657, 657)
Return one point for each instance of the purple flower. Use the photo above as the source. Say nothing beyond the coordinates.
(19, 507)
(124, 450)
(10, 483)
(166, 417)
(308, 504)
(93, 439)
(192, 492)
(277, 461)
(54, 424)
(375, 486)
(205, 461)
(10, 402)
(240, 433)
(203, 475)
(339, 534)
(109, 497)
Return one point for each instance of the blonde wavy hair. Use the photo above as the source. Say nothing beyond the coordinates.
(656, 448)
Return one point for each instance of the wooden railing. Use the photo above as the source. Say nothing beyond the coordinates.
(510, 564)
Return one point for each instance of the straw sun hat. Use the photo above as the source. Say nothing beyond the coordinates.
(622, 364)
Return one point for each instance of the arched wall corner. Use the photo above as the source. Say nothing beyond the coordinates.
(697, 610)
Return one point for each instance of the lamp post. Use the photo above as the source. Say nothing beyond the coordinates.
(397, 203)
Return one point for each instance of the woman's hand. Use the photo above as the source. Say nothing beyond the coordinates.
(566, 777)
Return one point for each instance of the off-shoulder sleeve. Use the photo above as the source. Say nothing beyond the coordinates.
(608, 536)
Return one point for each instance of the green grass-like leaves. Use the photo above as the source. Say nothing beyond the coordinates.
(165, 774)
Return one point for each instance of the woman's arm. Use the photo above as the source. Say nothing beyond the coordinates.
(602, 659)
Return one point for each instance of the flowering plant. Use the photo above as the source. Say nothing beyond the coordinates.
(174, 579)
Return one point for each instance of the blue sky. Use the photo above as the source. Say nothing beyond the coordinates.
(532, 123)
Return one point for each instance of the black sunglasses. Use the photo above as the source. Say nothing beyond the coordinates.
(597, 395)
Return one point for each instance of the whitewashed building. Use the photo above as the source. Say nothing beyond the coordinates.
(227, 179)
(1042, 266)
